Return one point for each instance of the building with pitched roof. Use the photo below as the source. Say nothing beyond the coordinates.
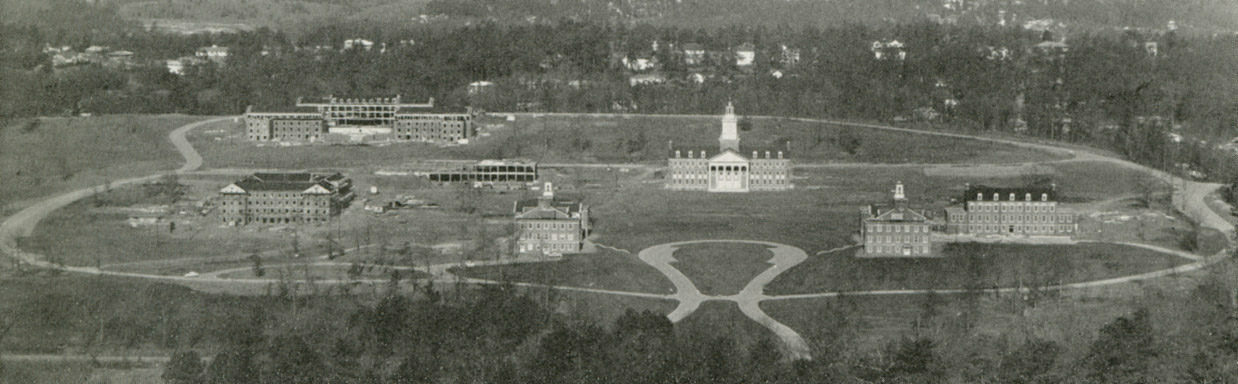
(728, 170)
(895, 230)
(284, 198)
(550, 226)
(1027, 211)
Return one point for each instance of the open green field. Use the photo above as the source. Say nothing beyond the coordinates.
(971, 265)
(719, 269)
(605, 269)
(619, 140)
(324, 272)
(40, 157)
(29, 372)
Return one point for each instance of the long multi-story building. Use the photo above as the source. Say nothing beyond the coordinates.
(1031, 211)
(468, 171)
(357, 119)
(896, 230)
(728, 170)
(284, 198)
(550, 226)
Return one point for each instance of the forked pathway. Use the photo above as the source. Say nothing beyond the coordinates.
(1189, 199)
(749, 299)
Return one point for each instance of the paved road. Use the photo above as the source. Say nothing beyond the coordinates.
(1190, 200)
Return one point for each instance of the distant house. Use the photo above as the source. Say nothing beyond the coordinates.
(888, 50)
(477, 87)
(646, 79)
(213, 53)
(788, 57)
(745, 56)
(178, 66)
(1151, 48)
(640, 62)
(1029, 211)
(358, 43)
(693, 54)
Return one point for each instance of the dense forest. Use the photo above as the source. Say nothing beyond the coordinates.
(501, 334)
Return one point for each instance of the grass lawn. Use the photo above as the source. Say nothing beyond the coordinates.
(322, 272)
(606, 269)
(1002, 265)
(720, 269)
(617, 139)
(40, 157)
(599, 308)
(28, 372)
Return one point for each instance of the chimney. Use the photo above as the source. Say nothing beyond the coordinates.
(670, 144)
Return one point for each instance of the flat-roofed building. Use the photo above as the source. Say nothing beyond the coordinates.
(895, 230)
(550, 226)
(464, 171)
(1029, 211)
(284, 198)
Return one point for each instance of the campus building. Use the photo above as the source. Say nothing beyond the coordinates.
(550, 226)
(728, 169)
(472, 171)
(1031, 211)
(284, 198)
(358, 119)
(895, 230)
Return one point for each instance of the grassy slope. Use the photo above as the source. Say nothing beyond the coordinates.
(62, 154)
(1005, 265)
(555, 139)
(722, 268)
(604, 270)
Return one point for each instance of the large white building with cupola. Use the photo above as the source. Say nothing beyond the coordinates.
(729, 168)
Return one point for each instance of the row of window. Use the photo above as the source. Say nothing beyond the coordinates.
(550, 247)
(1026, 197)
(896, 238)
(896, 228)
(1006, 207)
(998, 218)
(897, 249)
(1019, 228)
(547, 236)
(549, 225)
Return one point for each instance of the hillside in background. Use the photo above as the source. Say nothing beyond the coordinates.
(294, 16)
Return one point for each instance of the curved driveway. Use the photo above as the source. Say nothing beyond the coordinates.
(1188, 198)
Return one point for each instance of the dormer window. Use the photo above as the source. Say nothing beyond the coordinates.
(1012, 196)
(1027, 197)
(979, 197)
(1044, 197)
(996, 196)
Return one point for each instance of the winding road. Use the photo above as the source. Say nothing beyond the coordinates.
(1188, 198)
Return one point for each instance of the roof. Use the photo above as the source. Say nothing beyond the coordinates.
(744, 150)
(558, 209)
(291, 182)
(268, 109)
(895, 215)
(1020, 193)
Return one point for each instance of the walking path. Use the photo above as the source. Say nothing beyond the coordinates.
(1188, 198)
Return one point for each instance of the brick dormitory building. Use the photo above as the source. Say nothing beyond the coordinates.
(284, 198)
(550, 226)
(1031, 211)
(895, 230)
(342, 119)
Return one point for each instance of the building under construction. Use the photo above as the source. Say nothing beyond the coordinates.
(464, 171)
(357, 120)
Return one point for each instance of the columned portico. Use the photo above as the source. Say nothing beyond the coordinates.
(728, 173)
